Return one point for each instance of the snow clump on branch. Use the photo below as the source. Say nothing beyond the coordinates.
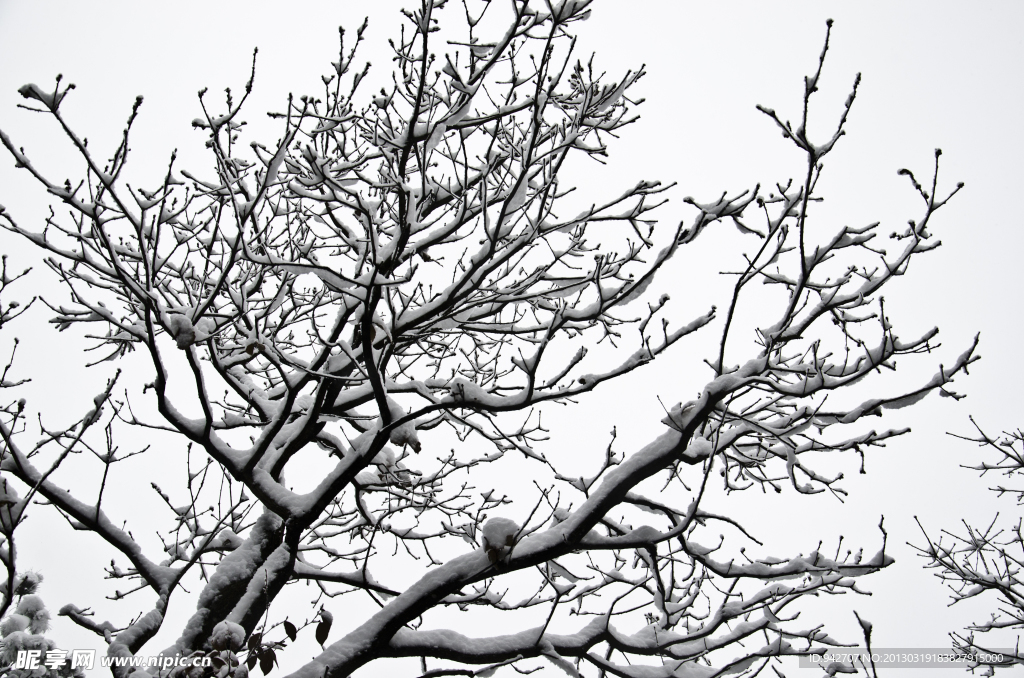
(227, 635)
(499, 537)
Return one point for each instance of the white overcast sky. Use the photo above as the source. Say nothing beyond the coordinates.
(935, 74)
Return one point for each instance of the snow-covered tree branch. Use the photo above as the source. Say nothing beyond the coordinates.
(985, 560)
(12, 504)
(353, 335)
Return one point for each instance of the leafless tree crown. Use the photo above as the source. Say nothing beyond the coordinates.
(405, 269)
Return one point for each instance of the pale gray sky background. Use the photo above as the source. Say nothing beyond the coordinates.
(935, 74)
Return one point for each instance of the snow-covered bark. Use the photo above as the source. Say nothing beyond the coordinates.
(409, 261)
